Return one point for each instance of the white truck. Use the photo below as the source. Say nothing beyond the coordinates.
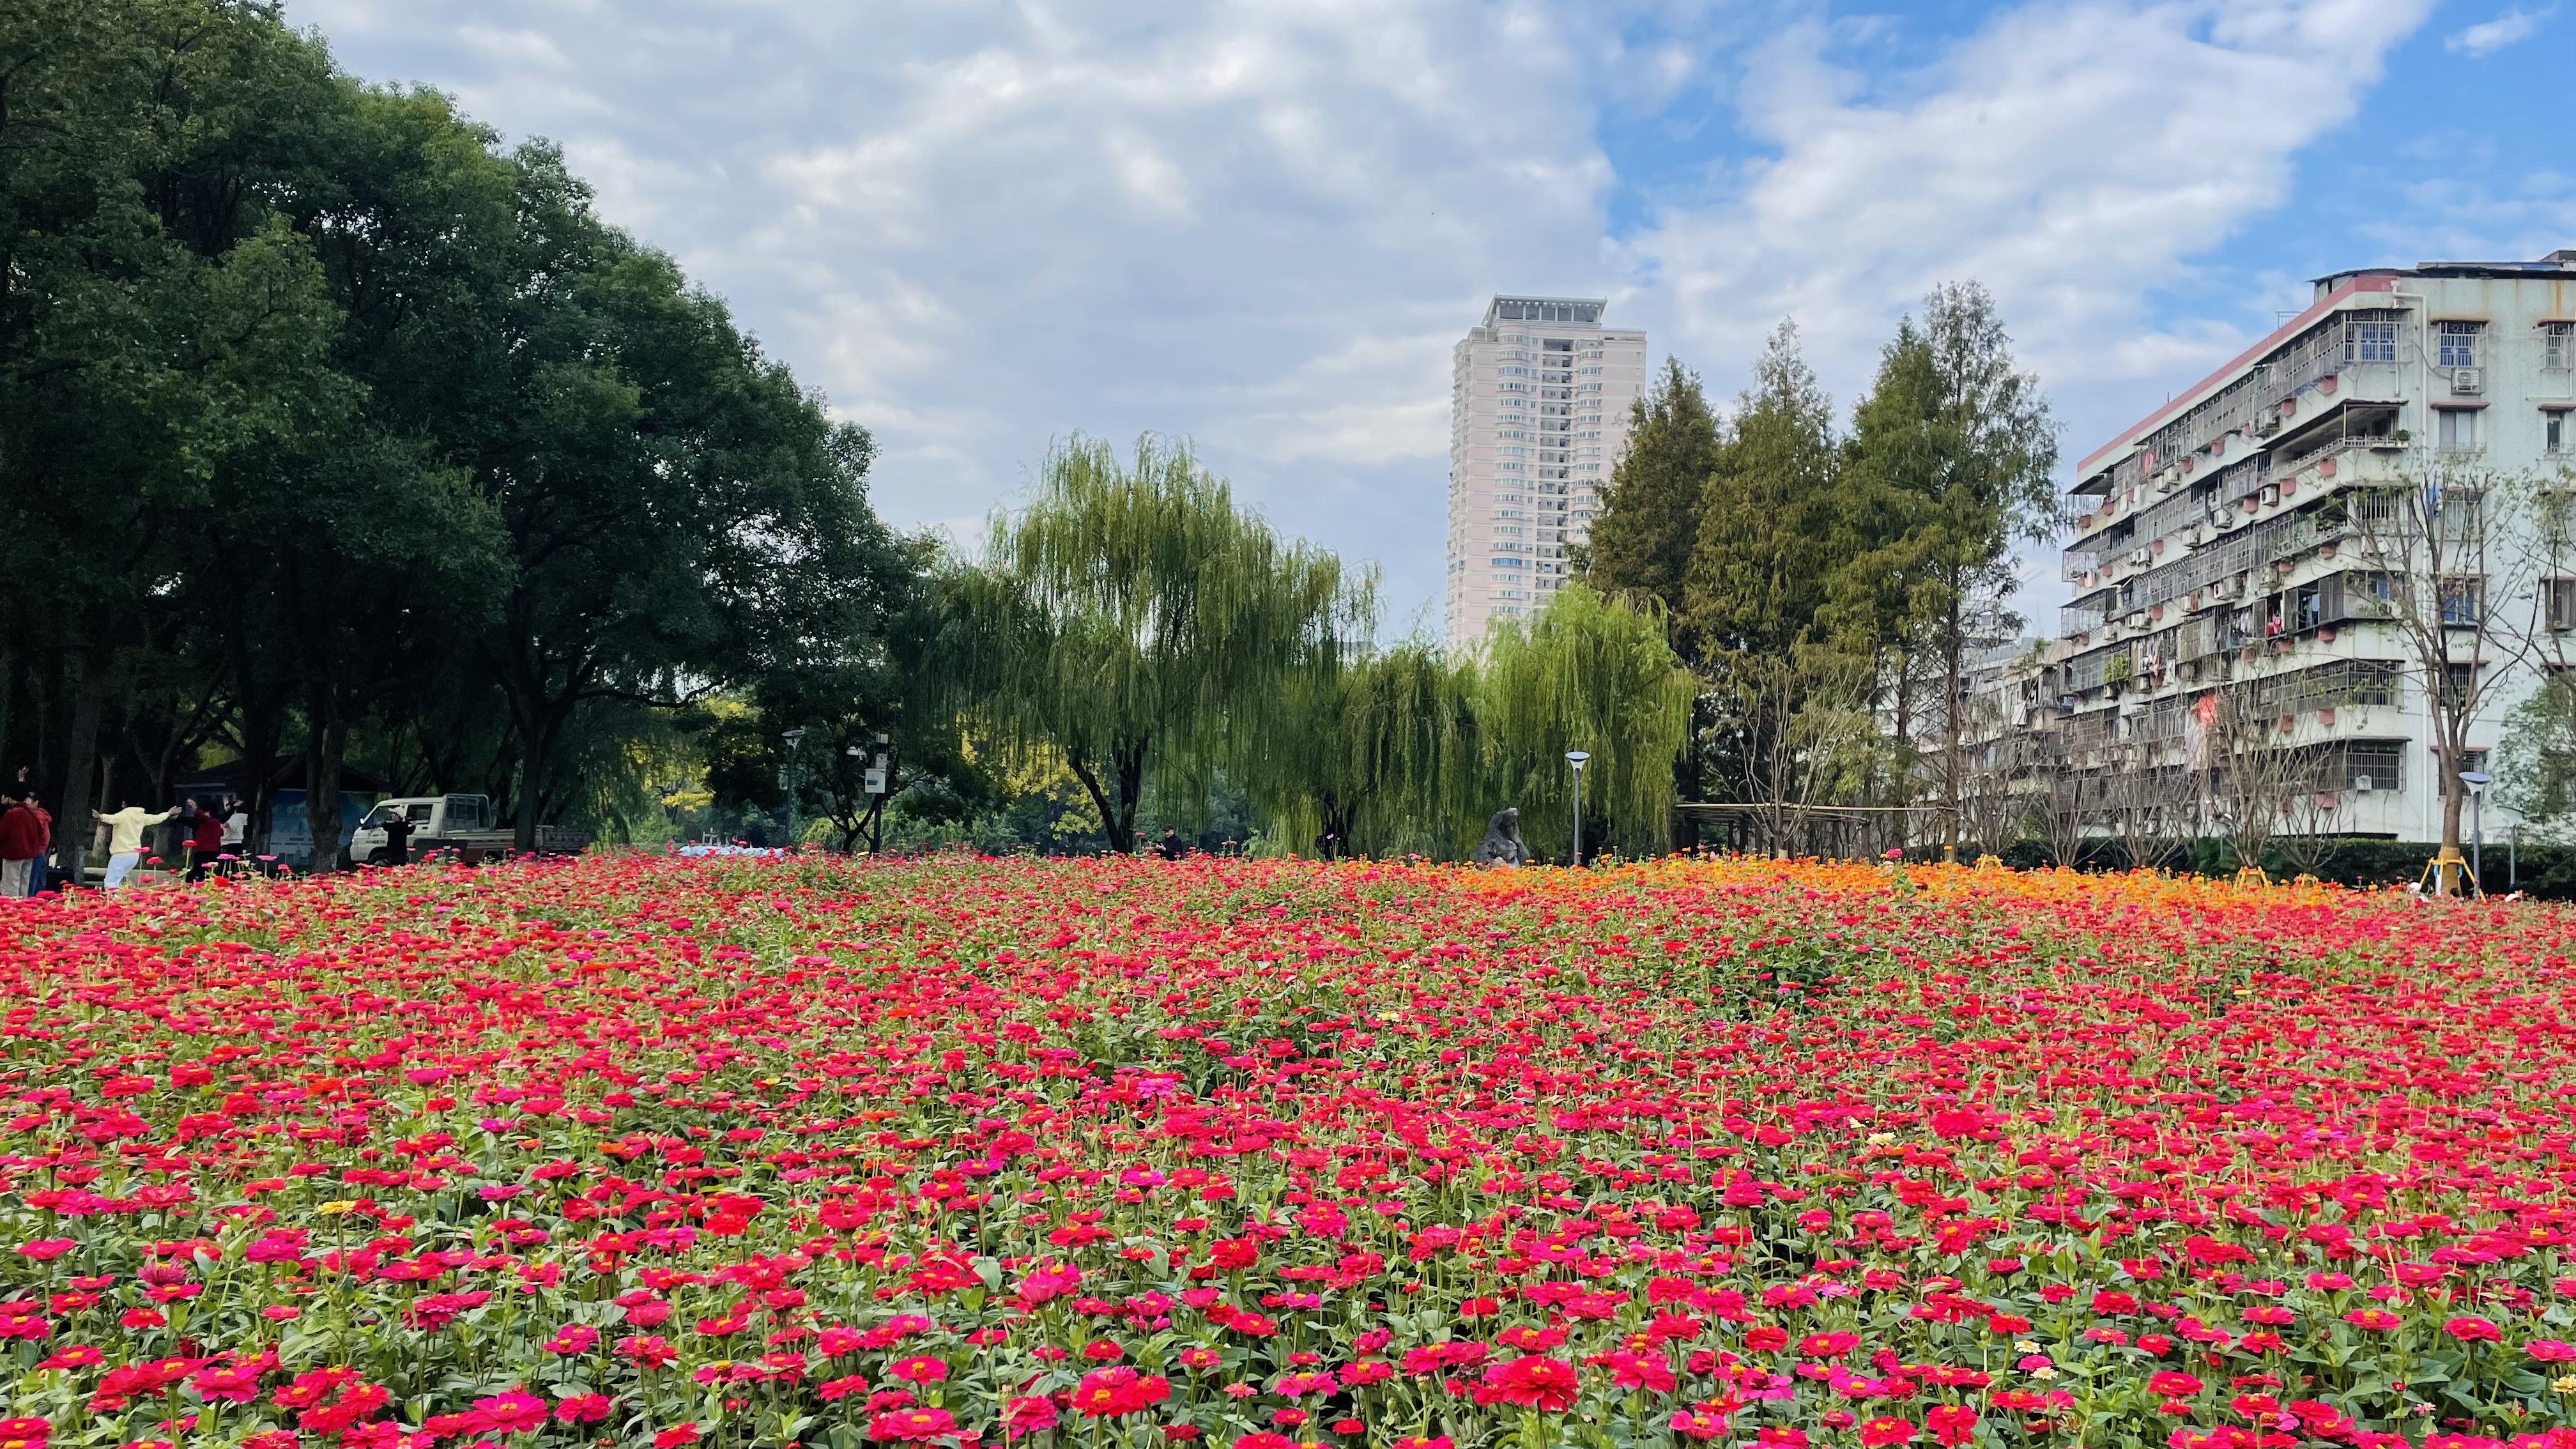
(461, 823)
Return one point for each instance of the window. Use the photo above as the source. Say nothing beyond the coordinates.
(2557, 345)
(2553, 432)
(2371, 342)
(2460, 681)
(2457, 513)
(2372, 681)
(2462, 597)
(2374, 765)
(2562, 603)
(2457, 430)
(2459, 344)
(2470, 760)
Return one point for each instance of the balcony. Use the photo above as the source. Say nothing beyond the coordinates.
(2309, 360)
(2346, 422)
(2088, 613)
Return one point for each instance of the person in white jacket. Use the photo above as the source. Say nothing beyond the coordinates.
(125, 838)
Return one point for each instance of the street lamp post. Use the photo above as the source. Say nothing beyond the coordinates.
(1577, 758)
(2477, 781)
(787, 780)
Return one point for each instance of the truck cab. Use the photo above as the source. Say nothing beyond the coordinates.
(464, 824)
(436, 821)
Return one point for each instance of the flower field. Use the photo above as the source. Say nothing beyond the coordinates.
(630, 1151)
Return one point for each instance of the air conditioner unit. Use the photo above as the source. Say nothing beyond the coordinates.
(2192, 536)
(2271, 494)
(2225, 521)
(2468, 380)
(2138, 558)
(2361, 785)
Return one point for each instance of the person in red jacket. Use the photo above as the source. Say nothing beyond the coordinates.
(205, 839)
(22, 838)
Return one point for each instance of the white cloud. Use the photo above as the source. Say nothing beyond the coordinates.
(2509, 29)
(2075, 157)
(981, 224)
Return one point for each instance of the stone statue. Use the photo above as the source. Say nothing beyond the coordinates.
(1502, 843)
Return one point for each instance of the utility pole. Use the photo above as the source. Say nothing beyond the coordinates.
(787, 780)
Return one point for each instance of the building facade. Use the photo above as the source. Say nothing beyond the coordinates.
(1539, 396)
(2241, 557)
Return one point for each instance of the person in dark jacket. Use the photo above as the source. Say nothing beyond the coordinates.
(22, 838)
(397, 827)
(205, 839)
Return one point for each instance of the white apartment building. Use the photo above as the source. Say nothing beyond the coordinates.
(2225, 544)
(1539, 395)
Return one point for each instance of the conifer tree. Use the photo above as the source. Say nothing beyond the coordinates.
(1650, 514)
(1953, 449)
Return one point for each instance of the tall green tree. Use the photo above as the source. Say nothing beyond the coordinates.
(1138, 621)
(1954, 445)
(869, 686)
(157, 319)
(1370, 753)
(1585, 673)
(1770, 534)
(1788, 721)
(310, 390)
(1651, 513)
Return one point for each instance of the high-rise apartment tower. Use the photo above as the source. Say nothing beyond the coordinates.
(1539, 394)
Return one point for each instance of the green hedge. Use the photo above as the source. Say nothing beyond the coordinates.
(2544, 871)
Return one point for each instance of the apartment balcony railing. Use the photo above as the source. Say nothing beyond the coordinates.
(2318, 355)
(2159, 722)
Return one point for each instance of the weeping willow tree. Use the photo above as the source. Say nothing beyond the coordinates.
(1586, 673)
(1138, 622)
(1368, 754)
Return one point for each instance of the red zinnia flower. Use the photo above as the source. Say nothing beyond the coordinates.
(914, 1423)
(1546, 1384)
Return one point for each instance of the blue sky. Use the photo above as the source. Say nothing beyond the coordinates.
(977, 225)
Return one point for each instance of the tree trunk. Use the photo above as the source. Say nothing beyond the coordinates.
(2454, 803)
(1099, 799)
(537, 749)
(263, 729)
(1954, 687)
(322, 791)
(1338, 817)
(73, 828)
(1902, 786)
(1131, 783)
